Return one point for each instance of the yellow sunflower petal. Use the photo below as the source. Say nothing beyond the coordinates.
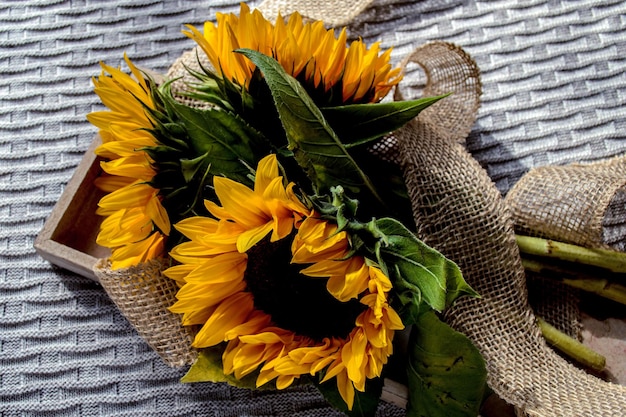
(242, 359)
(286, 366)
(317, 241)
(124, 227)
(194, 252)
(130, 146)
(255, 324)
(253, 236)
(393, 320)
(285, 381)
(196, 227)
(195, 297)
(267, 171)
(376, 333)
(110, 183)
(239, 203)
(379, 282)
(327, 268)
(136, 253)
(269, 336)
(179, 272)
(352, 282)
(197, 317)
(230, 313)
(266, 376)
(346, 388)
(158, 214)
(226, 267)
(135, 166)
(353, 355)
(136, 194)
(306, 50)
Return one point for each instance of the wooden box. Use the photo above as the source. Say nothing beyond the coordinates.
(68, 237)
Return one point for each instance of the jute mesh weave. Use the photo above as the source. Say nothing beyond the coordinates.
(568, 203)
(334, 13)
(143, 295)
(460, 212)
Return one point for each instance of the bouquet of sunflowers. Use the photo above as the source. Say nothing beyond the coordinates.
(288, 232)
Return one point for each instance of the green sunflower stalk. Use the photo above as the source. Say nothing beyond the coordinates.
(291, 242)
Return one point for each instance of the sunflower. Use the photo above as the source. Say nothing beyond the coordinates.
(323, 62)
(265, 255)
(135, 224)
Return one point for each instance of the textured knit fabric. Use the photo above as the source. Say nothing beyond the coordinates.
(554, 83)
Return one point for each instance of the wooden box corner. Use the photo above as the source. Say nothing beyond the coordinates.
(68, 237)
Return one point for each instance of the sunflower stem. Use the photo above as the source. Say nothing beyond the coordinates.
(571, 347)
(603, 258)
(603, 287)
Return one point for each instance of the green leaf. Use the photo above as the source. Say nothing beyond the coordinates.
(370, 121)
(208, 368)
(446, 373)
(315, 145)
(419, 273)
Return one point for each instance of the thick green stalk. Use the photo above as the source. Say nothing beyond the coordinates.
(600, 286)
(571, 347)
(611, 260)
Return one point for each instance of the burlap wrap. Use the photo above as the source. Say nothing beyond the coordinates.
(571, 203)
(333, 13)
(143, 294)
(582, 204)
(460, 212)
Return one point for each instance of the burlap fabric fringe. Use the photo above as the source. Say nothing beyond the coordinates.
(460, 212)
(143, 295)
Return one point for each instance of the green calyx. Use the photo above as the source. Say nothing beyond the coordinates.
(194, 146)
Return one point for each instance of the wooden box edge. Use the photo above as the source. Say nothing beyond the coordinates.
(67, 238)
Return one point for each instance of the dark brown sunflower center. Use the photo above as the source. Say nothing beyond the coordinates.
(296, 302)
